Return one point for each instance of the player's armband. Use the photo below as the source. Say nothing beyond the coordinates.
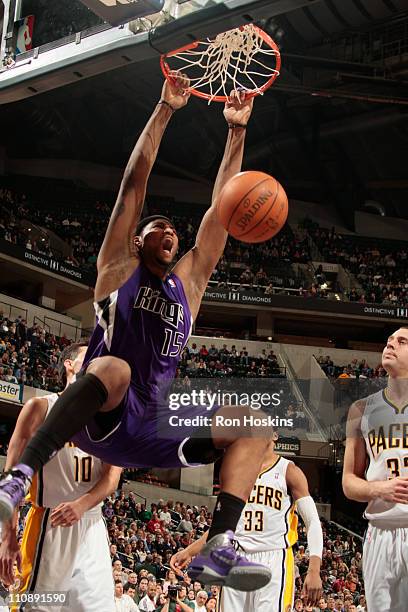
(308, 512)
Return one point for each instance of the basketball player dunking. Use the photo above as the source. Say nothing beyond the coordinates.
(267, 531)
(376, 471)
(65, 543)
(144, 318)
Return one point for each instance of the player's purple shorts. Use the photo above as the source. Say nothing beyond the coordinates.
(146, 435)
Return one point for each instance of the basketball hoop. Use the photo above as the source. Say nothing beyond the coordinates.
(245, 58)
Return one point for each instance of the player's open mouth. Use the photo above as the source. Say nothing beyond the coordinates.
(167, 245)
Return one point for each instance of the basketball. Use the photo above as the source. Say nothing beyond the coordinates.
(253, 206)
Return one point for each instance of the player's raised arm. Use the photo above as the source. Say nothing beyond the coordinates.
(355, 485)
(118, 241)
(196, 267)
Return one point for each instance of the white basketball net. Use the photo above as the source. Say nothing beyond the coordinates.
(237, 59)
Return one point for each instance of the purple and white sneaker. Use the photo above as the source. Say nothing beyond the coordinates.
(219, 563)
(13, 488)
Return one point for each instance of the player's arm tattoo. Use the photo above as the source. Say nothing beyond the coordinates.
(118, 210)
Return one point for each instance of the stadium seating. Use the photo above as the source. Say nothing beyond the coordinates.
(379, 267)
(169, 526)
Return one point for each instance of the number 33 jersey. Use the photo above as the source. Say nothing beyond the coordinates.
(70, 474)
(269, 519)
(384, 427)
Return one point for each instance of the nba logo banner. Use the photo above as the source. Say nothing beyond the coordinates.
(25, 28)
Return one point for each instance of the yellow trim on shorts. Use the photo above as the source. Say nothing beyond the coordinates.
(289, 579)
(33, 529)
(33, 491)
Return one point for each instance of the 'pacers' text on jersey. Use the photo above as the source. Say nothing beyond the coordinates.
(385, 430)
(269, 519)
(146, 322)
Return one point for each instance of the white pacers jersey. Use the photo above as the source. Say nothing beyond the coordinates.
(69, 475)
(269, 519)
(385, 430)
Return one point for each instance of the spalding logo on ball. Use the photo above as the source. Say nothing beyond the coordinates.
(253, 206)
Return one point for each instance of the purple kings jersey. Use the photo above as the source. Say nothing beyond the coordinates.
(147, 323)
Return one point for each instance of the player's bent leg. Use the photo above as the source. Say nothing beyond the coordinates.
(244, 446)
(100, 389)
(219, 562)
(115, 374)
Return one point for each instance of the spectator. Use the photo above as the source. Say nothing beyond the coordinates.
(165, 516)
(148, 602)
(185, 524)
(154, 525)
(171, 580)
(200, 603)
(123, 603)
(141, 590)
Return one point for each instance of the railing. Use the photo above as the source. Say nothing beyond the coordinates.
(41, 323)
(377, 45)
(11, 308)
(294, 290)
(144, 499)
(353, 533)
(299, 395)
(60, 328)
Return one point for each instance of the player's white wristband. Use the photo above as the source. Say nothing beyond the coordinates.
(308, 512)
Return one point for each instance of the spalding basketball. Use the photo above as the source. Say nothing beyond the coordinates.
(252, 206)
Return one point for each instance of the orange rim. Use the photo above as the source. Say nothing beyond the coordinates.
(250, 94)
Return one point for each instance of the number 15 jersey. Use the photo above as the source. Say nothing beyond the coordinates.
(147, 323)
(269, 519)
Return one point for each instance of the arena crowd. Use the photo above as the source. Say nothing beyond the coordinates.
(379, 267)
(143, 541)
(29, 354)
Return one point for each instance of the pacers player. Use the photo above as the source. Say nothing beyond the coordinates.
(267, 530)
(65, 544)
(376, 471)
